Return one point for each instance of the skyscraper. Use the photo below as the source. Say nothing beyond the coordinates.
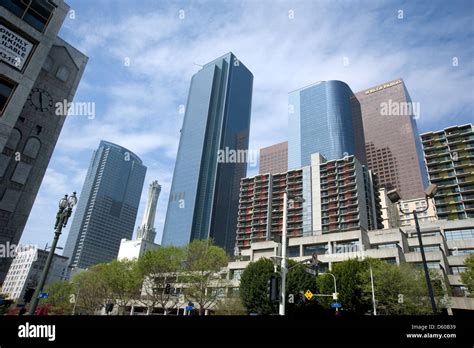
(37, 71)
(274, 158)
(204, 195)
(449, 157)
(393, 146)
(107, 206)
(324, 117)
(146, 230)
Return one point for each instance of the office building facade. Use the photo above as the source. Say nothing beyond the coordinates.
(37, 71)
(324, 117)
(274, 159)
(204, 195)
(339, 195)
(449, 158)
(27, 268)
(107, 207)
(393, 147)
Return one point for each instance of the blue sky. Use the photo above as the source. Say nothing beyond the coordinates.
(286, 45)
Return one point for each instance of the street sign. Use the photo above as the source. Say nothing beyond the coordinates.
(335, 305)
(43, 295)
(310, 271)
(308, 294)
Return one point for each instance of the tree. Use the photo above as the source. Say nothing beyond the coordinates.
(254, 287)
(230, 306)
(59, 297)
(161, 267)
(202, 266)
(298, 281)
(92, 291)
(122, 281)
(468, 277)
(350, 277)
(399, 289)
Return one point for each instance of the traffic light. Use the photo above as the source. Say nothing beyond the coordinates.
(274, 289)
(167, 288)
(109, 307)
(28, 295)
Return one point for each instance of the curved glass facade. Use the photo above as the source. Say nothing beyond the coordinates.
(107, 207)
(324, 117)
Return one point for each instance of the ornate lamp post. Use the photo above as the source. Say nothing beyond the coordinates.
(64, 213)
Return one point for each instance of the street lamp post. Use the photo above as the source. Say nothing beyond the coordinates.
(429, 193)
(65, 209)
(284, 243)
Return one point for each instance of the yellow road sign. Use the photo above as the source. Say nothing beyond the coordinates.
(308, 294)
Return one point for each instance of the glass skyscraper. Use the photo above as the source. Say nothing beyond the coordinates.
(107, 206)
(204, 195)
(324, 117)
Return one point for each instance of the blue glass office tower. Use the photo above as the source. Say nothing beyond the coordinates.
(107, 206)
(324, 117)
(204, 194)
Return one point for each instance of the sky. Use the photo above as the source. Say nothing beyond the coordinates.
(143, 54)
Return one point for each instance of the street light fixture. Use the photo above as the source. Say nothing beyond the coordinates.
(64, 213)
(430, 192)
(284, 242)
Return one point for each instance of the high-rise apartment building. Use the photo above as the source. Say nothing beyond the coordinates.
(204, 195)
(339, 195)
(393, 147)
(27, 268)
(274, 159)
(449, 158)
(37, 71)
(107, 207)
(324, 117)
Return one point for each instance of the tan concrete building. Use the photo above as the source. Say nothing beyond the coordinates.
(274, 159)
(393, 147)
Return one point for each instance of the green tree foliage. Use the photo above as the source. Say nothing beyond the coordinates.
(230, 306)
(468, 277)
(202, 266)
(61, 297)
(91, 289)
(117, 282)
(160, 267)
(399, 289)
(298, 281)
(254, 287)
(350, 284)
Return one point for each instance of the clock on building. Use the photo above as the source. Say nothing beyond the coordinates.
(40, 99)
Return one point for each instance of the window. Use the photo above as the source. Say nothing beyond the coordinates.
(426, 248)
(460, 234)
(318, 249)
(293, 251)
(36, 13)
(458, 269)
(6, 90)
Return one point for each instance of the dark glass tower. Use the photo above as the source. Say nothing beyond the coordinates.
(107, 206)
(204, 195)
(324, 117)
